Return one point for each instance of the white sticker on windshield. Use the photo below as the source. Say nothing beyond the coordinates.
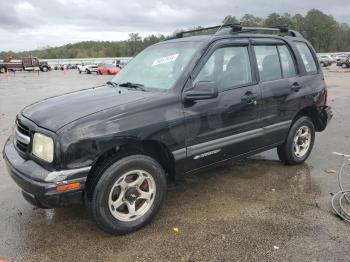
(165, 59)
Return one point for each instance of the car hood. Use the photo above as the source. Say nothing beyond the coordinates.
(56, 112)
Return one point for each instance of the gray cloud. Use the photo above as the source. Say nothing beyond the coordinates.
(30, 24)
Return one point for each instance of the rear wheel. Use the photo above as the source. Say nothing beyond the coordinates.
(322, 64)
(298, 145)
(344, 66)
(2, 70)
(88, 71)
(128, 194)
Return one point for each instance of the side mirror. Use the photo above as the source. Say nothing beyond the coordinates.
(201, 91)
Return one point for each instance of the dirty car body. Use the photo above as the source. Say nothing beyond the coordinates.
(188, 126)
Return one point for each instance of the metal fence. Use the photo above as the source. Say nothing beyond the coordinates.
(79, 61)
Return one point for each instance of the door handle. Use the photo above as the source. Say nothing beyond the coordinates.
(296, 87)
(249, 98)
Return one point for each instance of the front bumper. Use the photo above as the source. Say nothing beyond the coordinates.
(43, 193)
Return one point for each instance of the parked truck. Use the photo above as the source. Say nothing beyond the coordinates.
(27, 64)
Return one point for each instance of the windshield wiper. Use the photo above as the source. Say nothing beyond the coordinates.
(133, 85)
(112, 84)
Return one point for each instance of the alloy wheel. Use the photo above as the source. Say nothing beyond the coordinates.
(302, 141)
(132, 195)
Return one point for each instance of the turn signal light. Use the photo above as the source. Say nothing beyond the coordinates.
(72, 186)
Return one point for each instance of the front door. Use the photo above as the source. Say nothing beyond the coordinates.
(226, 126)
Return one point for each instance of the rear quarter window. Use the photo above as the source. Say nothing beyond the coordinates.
(307, 57)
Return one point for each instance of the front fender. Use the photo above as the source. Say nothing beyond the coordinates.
(85, 140)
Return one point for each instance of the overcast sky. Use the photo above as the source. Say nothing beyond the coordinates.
(27, 25)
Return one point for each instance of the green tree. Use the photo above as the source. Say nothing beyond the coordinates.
(251, 20)
(229, 19)
(320, 29)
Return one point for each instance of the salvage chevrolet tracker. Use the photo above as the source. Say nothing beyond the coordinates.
(179, 106)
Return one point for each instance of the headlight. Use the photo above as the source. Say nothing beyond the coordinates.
(43, 147)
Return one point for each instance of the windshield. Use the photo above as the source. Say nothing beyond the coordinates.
(158, 66)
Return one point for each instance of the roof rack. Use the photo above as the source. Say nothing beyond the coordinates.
(181, 34)
(237, 28)
(279, 29)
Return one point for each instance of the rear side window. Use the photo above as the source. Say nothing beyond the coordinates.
(306, 56)
(268, 63)
(288, 66)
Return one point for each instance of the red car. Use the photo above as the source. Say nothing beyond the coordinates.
(109, 69)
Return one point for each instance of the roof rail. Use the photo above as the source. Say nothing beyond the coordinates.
(181, 34)
(278, 29)
(237, 28)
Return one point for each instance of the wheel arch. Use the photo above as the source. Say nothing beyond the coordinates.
(314, 114)
(155, 149)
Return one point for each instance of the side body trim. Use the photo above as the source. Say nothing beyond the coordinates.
(229, 140)
(179, 154)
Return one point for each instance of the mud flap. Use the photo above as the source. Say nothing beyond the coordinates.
(324, 116)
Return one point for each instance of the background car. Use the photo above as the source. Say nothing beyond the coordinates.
(325, 60)
(345, 63)
(341, 59)
(110, 69)
(87, 68)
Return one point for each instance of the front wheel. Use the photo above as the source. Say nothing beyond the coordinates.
(298, 145)
(128, 194)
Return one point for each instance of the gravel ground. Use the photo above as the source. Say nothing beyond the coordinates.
(251, 210)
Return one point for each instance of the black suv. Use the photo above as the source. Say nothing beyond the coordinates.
(179, 106)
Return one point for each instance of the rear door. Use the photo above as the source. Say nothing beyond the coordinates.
(228, 125)
(311, 77)
(280, 84)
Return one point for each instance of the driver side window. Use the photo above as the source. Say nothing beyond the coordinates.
(227, 67)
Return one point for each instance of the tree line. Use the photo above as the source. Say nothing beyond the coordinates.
(322, 30)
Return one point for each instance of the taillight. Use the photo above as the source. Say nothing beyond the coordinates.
(322, 98)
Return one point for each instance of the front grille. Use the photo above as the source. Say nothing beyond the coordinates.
(23, 129)
(22, 146)
(22, 137)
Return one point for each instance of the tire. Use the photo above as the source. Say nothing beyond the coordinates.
(79, 71)
(108, 190)
(295, 151)
(322, 64)
(2, 70)
(344, 66)
(44, 69)
(88, 71)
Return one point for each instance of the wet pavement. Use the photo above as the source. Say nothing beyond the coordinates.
(251, 210)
